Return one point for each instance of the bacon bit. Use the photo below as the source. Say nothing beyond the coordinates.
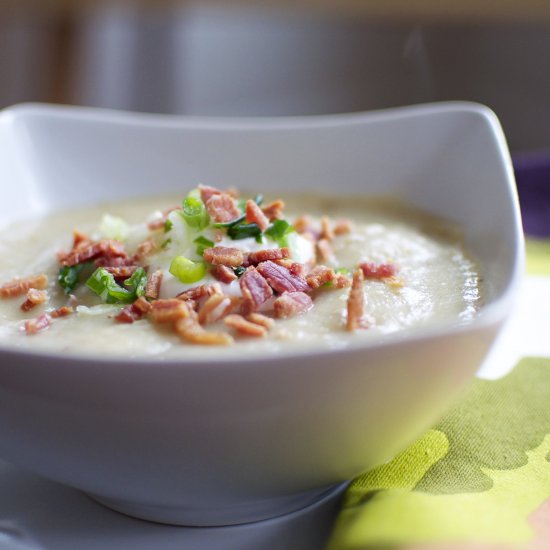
(198, 292)
(300, 270)
(222, 208)
(255, 289)
(80, 238)
(326, 229)
(223, 274)
(190, 330)
(159, 223)
(373, 270)
(274, 210)
(356, 303)
(241, 325)
(105, 248)
(121, 272)
(127, 315)
(341, 280)
(142, 305)
(324, 251)
(218, 236)
(320, 275)
(152, 289)
(273, 254)
(254, 214)
(145, 249)
(280, 278)
(223, 255)
(168, 311)
(42, 322)
(135, 311)
(62, 311)
(214, 309)
(342, 227)
(34, 298)
(260, 319)
(207, 192)
(303, 224)
(292, 303)
(18, 287)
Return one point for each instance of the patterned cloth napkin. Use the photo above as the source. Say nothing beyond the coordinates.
(480, 479)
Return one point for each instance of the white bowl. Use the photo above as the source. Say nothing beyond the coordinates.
(230, 441)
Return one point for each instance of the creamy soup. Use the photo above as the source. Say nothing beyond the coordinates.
(353, 268)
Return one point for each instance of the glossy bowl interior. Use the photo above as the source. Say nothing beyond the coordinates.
(227, 441)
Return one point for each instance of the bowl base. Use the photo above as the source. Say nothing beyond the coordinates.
(219, 517)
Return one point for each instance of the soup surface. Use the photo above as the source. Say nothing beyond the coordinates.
(352, 268)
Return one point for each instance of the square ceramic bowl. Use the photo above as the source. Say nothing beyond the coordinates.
(228, 441)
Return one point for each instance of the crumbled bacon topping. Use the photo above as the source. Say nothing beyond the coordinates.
(274, 210)
(223, 274)
(154, 282)
(326, 229)
(260, 319)
(121, 272)
(106, 248)
(356, 303)
(342, 227)
(34, 298)
(135, 311)
(320, 275)
(168, 311)
(255, 289)
(198, 292)
(290, 304)
(324, 251)
(62, 311)
(40, 323)
(223, 255)
(160, 222)
(372, 270)
(206, 192)
(273, 254)
(18, 287)
(214, 308)
(190, 330)
(145, 249)
(241, 325)
(222, 208)
(281, 279)
(254, 214)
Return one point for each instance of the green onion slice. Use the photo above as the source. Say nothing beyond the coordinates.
(244, 231)
(202, 244)
(104, 285)
(194, 213)
(239, 270)
(69, 276)
(279, 231)
(186, 270)
(168, 224)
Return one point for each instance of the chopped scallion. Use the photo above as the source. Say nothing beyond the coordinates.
(186, 270)
(244, 231)
(104, 285)
(168, 224)
(279, 231)
(194, 213)
(202, 244)
(239, 270)
(69, 276)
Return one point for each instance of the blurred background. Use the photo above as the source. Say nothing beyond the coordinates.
(282, 57)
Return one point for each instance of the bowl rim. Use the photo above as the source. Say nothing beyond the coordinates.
(489, 315)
